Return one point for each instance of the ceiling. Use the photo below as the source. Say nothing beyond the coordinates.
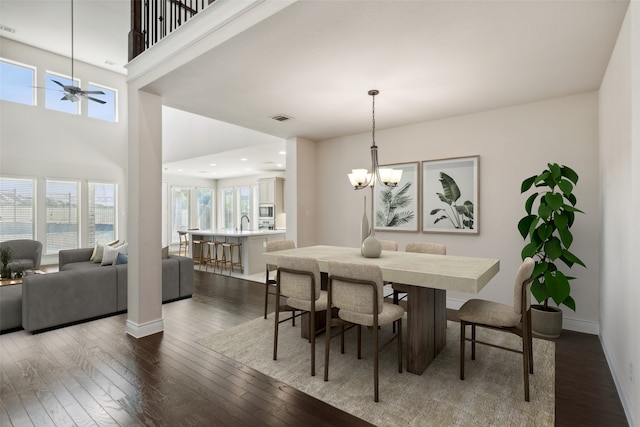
(314, 61)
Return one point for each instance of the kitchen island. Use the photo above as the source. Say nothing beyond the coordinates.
(253, 242)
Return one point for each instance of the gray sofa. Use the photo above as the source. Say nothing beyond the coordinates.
(83, 290)
(25, 254)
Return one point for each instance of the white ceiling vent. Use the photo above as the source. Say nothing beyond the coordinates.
(281, 118)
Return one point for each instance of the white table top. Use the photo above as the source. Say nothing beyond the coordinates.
(453, 273)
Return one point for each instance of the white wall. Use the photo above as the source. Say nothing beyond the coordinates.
(301, 196)
(513, 144)
(38, 142)
(620, 201)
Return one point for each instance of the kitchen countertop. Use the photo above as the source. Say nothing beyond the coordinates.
(236, 233)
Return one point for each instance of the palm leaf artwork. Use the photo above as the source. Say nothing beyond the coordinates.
(392, 202)
(460, 216)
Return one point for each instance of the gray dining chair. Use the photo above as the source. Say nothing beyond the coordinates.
(298, 279)
(270, 282)
(514, 319)
(356, 291)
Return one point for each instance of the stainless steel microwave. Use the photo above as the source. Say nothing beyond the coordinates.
(265, 210)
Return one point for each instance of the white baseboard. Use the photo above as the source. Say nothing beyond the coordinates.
(625, 400)
(145, 329)
(585, 326)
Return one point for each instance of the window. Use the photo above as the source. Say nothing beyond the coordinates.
(17, 82)
(17, 209)
(106, 111)
(227, 203)
(204, 206)
(55, 99)
(244, 201)
(62, 213)
(180, 211)
(102, 212)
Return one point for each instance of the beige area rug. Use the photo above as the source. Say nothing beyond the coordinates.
(490, 395)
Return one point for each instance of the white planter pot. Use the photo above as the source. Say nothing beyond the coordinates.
(546, 323)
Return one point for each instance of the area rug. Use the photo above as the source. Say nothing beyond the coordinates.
(490, 395)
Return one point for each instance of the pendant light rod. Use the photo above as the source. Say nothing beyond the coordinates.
(72, 83)
(361, 178)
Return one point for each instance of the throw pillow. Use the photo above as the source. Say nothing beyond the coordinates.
(97, 253)
(165, 252)
(109, 255)
(122, 258)
(122, 247)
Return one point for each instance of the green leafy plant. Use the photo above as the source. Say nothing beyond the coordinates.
(547, 229)
(392, 201)
(460, 216)
(5, 258)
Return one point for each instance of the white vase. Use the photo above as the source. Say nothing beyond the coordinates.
(364, 224)
(371, 247)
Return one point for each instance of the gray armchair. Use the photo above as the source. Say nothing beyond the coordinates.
(25, 254)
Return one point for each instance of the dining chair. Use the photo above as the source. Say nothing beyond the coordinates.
(419, 247)
(356, 291)
(270, 283)
(298, 279)
(514, 319)
(389, 245)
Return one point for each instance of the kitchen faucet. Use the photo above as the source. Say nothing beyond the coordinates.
(241, 218)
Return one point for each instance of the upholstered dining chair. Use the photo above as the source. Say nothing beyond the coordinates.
(419, 247)
(493, 315)
(389, 245)
(270, 282)
(356, 291)
(298, 279)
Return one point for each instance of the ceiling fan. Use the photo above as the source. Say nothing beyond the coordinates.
(74, 93)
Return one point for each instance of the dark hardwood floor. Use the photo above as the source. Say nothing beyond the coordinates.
(95, 374)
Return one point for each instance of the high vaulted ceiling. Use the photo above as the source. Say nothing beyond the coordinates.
(315, 60)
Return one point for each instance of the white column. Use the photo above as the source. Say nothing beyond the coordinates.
(144, 215)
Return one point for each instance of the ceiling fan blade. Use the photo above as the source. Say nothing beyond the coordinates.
(93, 92)
(97, 100)
(55, 81)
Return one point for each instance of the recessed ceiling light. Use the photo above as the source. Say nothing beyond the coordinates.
(180, 170)
(279, 165)
(212, 164)
(244, 159)
(282, 152)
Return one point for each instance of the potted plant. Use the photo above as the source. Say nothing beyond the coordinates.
(547, 229)
(5, 258)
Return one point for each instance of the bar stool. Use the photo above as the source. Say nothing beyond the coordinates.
(184, 242)
(238, 263)
(227, 256)
(213, 257)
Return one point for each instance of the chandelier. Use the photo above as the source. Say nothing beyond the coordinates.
(362, 178)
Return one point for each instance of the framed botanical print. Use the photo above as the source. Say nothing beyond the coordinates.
(450, 195)
(397, 208)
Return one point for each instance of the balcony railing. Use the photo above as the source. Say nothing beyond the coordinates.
(152, 20)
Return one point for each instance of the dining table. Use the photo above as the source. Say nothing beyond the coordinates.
(428, 277)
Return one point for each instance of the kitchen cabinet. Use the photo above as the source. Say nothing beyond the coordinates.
(271, 190)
